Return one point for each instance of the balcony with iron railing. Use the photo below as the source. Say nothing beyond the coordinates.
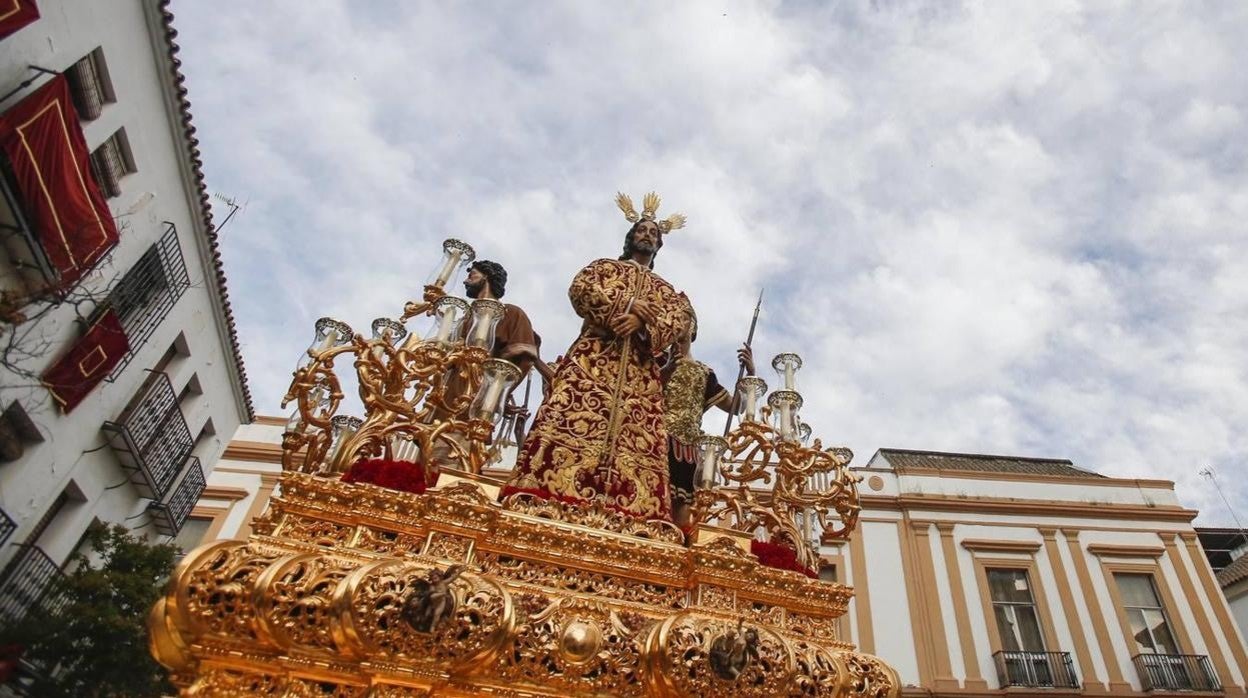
(150, 437)
(7, 526)
(169, 516)
(1036, 669)
(27, 582)
(147, 293)
(1176, 672)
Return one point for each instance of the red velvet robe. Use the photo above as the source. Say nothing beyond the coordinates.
(600, 434)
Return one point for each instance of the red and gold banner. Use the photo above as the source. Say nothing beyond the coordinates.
(49, 156)
(15, 14)
(76, 373)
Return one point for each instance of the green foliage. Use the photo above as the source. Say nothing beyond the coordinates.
(97, 644)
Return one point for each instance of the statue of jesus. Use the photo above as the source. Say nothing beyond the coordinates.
(600, 434)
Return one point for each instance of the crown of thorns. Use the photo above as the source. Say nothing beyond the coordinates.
(649, 207)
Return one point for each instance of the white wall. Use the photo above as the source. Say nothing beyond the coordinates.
(159, 191)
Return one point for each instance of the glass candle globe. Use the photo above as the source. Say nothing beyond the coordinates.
(750, 393)
(456, 254)
(710, 453)
(804, 432)
(485, 316)
(787, 366)
(450, 313)
(784, 406)
(342, 429)
(390, 331)
(498, 377)
(330, 333)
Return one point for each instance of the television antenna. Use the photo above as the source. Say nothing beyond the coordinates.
(1208, 473)
(233, 204)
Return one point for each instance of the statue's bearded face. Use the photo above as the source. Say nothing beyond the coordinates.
(646, 237)
(475, 282)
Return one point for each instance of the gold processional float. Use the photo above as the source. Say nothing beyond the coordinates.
(355, 589)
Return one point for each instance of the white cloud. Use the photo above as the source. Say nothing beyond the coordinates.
(995, 227)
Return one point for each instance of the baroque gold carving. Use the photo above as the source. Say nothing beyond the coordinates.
(575, 646)
(215, 597)
(311, 688)
(580, 582)
(593, 515)
(370, 605)
(869, 677)
(293, 600)
(216, 682)
(678, 660)
(547, 607)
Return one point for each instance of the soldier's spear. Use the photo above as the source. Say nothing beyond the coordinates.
(749, 341)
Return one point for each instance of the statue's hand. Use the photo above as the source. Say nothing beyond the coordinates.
(645, 311)
(745, 356)
(625, 325)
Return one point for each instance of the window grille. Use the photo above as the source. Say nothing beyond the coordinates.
(27, 582)
(7, 526)
(146, 294)
(169, 516)
(112, 161)
(20, 241)
(89, 85)
(151, 438)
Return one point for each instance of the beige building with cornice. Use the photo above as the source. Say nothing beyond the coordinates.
(974, 575)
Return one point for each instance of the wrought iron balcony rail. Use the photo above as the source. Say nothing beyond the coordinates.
(148, 291)
(169, 516)
(1036, 669)
(18, 238)
(151, 438)
(27, 582)
(7, 526)
(1176, 672)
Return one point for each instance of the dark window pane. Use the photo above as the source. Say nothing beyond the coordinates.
(1137, 590)
(1009, 586)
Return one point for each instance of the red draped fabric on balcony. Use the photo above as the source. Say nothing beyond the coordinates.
(43, 142)
(76, 373)
(15, 14)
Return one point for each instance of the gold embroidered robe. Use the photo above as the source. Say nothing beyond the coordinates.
(600, 434)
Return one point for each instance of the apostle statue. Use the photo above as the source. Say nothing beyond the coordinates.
(600, 434)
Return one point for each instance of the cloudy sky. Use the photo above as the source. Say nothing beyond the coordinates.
(1012, 228)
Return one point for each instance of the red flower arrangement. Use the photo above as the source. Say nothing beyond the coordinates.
(401, 475)
(780, 557)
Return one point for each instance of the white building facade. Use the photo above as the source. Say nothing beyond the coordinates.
(981, 574)
(120, 381)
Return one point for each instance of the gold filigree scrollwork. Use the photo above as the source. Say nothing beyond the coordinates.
(415, 392)
(314, 688)
(678, 659)
(575, 646)
(219, 682)
(569, 580)
(868, 677)
(293, 601)
(369, 606)
(316, 392)
(388, 690)
(809, 487)
(213, 590)
(819, 672)
(593, 514)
